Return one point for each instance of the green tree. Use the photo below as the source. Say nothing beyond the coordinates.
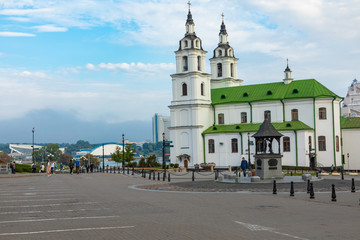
(4, 158)
(65, 158)
(129, 154)
(93, 159)
(42, 154)
(151, 161)
(142, 162)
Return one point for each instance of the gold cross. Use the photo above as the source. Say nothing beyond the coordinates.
(189, 3)
(222, 15)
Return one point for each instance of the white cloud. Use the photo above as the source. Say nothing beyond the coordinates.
(16, 34)
(50, 28)
(131, 67)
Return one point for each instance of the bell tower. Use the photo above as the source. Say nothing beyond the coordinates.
(224, 64)
(191, 102)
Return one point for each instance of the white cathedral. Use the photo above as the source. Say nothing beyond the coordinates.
(213, 116)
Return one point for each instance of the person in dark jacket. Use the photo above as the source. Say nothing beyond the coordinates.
(244, 165)
(71, 166)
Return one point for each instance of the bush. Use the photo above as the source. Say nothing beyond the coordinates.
(172, 165)
(176, 165)
(22, 168)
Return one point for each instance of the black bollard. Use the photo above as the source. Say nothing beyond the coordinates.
(168, 177)
(333, 194)
(352, 185)
(216, 175)
(114, 170)
(312, 194)
(132, 173)
(158, 176)
(292, 189)
(342, 174)
(144, 174)
(149, 175)
(308, 186)
(193, 176)
(274, 187)
(164, 176)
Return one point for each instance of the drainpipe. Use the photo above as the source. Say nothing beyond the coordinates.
(241, 140)
(283, 104)
(341, 140)
(250, 112)
(315, 147)
(333, 123)
(213, 107)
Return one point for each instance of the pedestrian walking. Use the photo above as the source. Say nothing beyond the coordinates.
(33, 167)
(12, 167)
(77, 165)
(52, 164)
(71, 165)
(42, 168)
(48, 168)
(244, 165)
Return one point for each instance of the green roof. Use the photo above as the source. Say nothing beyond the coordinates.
(309, 88)
(254, 127)
(349, 123)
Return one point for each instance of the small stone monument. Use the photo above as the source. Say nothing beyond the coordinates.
(268, 164)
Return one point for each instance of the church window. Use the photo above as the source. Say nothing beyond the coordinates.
(219, 53)
(243, 117)
(337, 143)
(294, 115)
(231, 69)
(322, 113)
(322, 143)
(221, 118)
(219, 68)
(267, 115)
(185, 43)
(199, 63)
(184, 89)
(202, 90)
(286, 144)
(230, 53)
(211, 144)
(234, 145)
(185, 63)
(197, 43)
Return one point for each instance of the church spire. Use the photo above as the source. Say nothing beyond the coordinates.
(287, 72)
(189, 23)
(223, 34)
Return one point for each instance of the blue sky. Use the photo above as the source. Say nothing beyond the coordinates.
(106, 64)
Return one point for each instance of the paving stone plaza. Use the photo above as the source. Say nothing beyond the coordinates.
(117, 206)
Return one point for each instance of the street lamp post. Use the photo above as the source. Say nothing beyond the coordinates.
(103, 160)
(249, 150)
(33, 133)
(163, 154)
(123, 160)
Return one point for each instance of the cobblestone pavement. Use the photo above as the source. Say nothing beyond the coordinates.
(108, 206)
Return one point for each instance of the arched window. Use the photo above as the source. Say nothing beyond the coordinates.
(202, 90)
(197, 43)
(230, 53)
(322, 143)
(243, 117)
(219, 68)
(267, 115)
(322, 113)
(185, 63)
(337, 143)
(234, 145)
(294, 115)
(221, 118)
(185, 43)
(211, 144)
(184, 89)
(231, 69)
(219, 53)
(199, 63)
(286, 144)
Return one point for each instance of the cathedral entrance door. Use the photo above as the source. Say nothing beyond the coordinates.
(186, 164)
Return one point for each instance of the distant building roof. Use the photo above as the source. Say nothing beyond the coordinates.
(350, 122)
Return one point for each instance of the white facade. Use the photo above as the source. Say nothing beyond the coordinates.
(351, 153)
(317, 140)
(351, 106)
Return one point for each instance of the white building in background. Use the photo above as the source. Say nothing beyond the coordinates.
(351, 105)
(160, 125)
(22, 152)
(101, 150)
(213, 116)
